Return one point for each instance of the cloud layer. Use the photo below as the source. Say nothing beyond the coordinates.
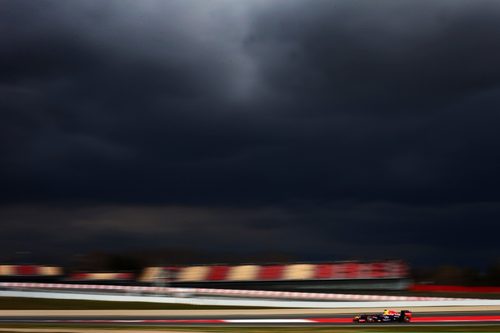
(340, 118)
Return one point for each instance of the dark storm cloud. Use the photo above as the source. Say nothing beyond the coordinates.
(313, 119)
(343, 231)
(77, 93)
(380, 56)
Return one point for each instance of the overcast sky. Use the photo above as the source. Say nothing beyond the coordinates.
(326, 129)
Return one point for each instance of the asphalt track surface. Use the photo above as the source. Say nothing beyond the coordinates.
(421, 318)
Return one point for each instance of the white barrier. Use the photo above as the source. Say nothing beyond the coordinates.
(219, 292)
(244, 302)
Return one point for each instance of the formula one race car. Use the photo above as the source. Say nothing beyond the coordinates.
(403, 317)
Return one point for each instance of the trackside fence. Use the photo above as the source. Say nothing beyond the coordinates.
(191, 292)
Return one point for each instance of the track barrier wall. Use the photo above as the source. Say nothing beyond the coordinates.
(278, 272)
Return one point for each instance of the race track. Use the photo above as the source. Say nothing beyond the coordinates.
(283, 317)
